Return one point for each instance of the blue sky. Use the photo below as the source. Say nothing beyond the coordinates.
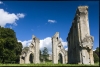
(34, 15)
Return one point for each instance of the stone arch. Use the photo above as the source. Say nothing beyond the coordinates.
(62, 56)
(31, 58)
(27, 58)
(57, 48)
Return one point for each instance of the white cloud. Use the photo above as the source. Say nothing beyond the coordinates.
(66, 49)
(94, 49)
(9, 18)
(46, 42)
(1, 2)
(25, 43)
(20, 15)
(64, 43)
(51, 21)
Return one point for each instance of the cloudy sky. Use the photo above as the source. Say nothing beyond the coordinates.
(43, 19)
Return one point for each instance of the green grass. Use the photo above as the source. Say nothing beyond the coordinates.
(48, 64)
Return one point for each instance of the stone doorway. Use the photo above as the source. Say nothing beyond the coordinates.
(60, 58)
(31, 58)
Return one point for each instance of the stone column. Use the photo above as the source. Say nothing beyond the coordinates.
(54, 48)
(27, 59)
(91, 57)
(84, 28)
(36, 54)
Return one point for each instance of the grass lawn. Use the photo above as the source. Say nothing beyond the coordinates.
(48, 64)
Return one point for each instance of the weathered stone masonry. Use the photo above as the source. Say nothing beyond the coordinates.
(33, 49)
(57, 48)
(80, 42)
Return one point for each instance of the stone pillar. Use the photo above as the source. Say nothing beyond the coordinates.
(84, 27)
(54, 48)
(27, 60)
(85, 57)
(36, 52)
(91, 57)
(80, 38)
(83, 13)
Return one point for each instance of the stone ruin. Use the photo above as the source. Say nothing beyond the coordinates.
(80, 42)
(57, 48)
(32, 50)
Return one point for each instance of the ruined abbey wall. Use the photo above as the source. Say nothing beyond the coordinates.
(80, 42)
(57, 48)
(33, 49)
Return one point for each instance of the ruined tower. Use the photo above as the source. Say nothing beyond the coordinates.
(80, 42)
(54, 44)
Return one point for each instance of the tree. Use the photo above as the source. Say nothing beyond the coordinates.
(10, 48)
(97, 51)
(96, 55)
(45, 53)
(18, 51)
(96, 58)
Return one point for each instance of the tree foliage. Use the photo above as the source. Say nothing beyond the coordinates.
(96, 55)
(10, 49)
(96, 58)
(97, 51)
(45, 53)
